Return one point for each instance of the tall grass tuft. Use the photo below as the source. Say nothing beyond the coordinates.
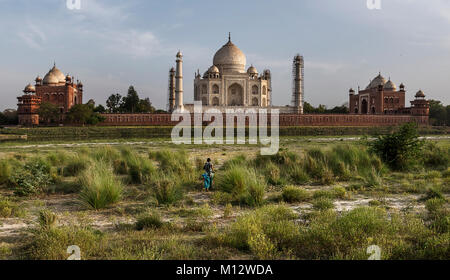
(100, 187)
(167, 190)
(243, 183)
(5, 171)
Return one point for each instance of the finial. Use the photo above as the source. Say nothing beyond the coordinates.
(229, 36)
(54, 63)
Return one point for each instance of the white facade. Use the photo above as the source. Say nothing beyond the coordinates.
(227, 83)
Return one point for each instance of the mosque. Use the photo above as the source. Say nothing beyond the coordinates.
(55, 88)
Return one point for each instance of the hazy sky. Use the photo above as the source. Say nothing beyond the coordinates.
(111, 44)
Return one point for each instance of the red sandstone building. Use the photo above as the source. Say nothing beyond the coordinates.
(381, 97)
(55, 88)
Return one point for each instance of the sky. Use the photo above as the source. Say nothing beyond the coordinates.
(111, 44)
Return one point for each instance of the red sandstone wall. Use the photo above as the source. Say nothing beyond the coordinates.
(285, 120)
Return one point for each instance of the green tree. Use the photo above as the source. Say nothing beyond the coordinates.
(11, 116)
(3, 119)
(100, 109)
(130, 102)
(399, 149)
(145, 106)
(438, 113)
(49, 112)
(114, 103)
(83, 114)
(448, 115)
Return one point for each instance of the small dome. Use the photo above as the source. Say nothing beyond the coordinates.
(420, 94)
(214, 70)
(376, 82)
(252, 70)
(179, 54)
(38, 79)
(402, 85)
(68, 78)
(390, 86)
(352, 90)
(29, 88)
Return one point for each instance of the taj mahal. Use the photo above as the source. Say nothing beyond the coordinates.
(228, 83)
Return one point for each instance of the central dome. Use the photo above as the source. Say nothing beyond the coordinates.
(54, 76)
(230, 58)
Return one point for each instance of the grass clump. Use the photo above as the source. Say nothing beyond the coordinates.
(295, 194)
(76, 165)
(99, 186)
(244, 184)
(167, 190)
(52, 243)
(5, 171)
(266, 233)
(152, 220)
(9, 208)
(47, 219)
(322, 203)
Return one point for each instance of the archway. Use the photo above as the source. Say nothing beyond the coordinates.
(373, 110)
(235, 95)
(255, 101)
(215, 101)
(364, 107)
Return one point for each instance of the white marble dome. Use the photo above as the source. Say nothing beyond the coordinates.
(230, 58)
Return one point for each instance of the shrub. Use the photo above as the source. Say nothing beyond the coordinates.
(10, 208)
(400, 149)
(264, 231)
(51, 244)
(167, 191)
(222, 198)
(434, 156)
(322, 203)
(433, 205)
(33, 178)
(100, 187)
(294, 194)
(152, 220)
(340, 192)
(372, 179)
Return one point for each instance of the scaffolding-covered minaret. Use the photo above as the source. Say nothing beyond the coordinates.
(171, 102)
(298, 75)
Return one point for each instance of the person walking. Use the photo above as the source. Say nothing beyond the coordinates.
(209, 169)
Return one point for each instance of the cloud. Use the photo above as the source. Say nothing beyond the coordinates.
(33, 36)
(136, 43)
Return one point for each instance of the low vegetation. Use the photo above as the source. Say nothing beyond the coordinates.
(309, 201)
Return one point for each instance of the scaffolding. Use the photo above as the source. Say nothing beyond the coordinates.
(171, 91)
(298, 85)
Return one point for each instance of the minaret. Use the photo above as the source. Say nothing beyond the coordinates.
(179, 82)
(172, 94)
(297, 88)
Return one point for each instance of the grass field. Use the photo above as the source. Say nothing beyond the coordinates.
(319, 198)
